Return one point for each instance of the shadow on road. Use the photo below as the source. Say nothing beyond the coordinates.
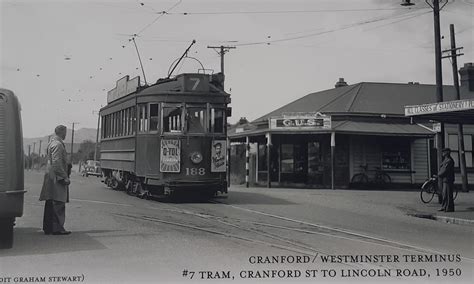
(231, 198)
(32, 241)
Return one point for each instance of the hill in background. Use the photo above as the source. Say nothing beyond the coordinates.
(80, 135)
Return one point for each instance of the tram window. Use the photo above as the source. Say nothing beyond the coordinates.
(172, 119)
(143, 119)
(153, 117)
(134, 120)
(196, 119)
(217, 120)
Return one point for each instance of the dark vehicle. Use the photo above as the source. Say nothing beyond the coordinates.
(11, 166)
(92, 168)
(166, 138)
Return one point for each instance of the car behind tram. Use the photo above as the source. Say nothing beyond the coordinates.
(11, 166)
(166, 138)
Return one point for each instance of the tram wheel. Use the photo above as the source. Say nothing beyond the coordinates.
(114, 184)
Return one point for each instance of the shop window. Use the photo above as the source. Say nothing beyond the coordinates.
(172, 119)
(153, 117)
(217, 120)
(454, 146)
(195, 119)
(287, 160)
(396, 155)
(262, 157)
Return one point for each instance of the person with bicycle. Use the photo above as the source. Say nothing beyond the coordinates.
(446, 174)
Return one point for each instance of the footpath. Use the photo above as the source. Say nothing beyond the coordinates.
(463, 214)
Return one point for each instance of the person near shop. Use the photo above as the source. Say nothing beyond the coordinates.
(446, 174)
(55, 190)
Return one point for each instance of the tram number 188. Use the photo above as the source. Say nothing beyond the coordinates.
(195, 171)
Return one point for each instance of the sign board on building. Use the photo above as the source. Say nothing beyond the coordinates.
(301, 121)
(437, 127)
(440, 107)
(124, 87)
(170, 156)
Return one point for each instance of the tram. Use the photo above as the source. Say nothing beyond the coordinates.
(166, 138)
(12, 188)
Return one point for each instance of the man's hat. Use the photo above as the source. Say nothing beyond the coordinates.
(446, 150)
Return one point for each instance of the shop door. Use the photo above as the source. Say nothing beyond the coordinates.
(315, 163)
(274, 164)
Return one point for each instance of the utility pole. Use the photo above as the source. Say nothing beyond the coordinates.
(72, 140)
(97, 136)
(222, 52)
(439, 82)
(39, 151)
(33, 158)
(29, 157)
(462, 155)
(439, 75)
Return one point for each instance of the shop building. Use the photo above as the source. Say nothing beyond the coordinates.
(323, 139)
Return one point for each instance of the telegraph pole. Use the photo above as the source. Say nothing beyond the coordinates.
(222, 51)
(39, 151)
(462, 155)
(72, 140)
(97, 136)
(29, 157)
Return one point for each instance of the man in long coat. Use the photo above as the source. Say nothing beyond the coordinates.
(56, 182)
(446, 174)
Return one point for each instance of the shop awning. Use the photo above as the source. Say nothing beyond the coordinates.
(459, 111)
(385, 129)
(349, 127)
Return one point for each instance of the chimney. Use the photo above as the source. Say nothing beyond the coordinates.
(467, 81)
(341, 83)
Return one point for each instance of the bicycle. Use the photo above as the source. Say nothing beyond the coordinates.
(380, 176)
(430, 188)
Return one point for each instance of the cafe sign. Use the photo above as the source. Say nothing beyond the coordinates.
(301, 121)
(441, 107)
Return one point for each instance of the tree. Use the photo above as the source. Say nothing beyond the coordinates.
(86, 151)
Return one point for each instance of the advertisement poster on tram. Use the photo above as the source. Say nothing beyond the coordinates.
(218, 157)
(170, 156)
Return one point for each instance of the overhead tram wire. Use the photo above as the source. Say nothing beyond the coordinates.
(288, 11)
(267, 42)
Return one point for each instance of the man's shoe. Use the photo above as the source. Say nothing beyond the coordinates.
(61, 233)
(441, 209)
(47, 233)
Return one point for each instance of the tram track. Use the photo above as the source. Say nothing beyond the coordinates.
(323, 230)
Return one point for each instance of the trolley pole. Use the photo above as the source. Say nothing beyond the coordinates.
(462, 155)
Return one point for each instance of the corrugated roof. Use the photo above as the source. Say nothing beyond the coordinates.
(365, 97)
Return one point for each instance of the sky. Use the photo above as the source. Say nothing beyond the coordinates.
(61, 57)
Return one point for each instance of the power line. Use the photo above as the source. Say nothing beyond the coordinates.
(318, 33)
(286, 11)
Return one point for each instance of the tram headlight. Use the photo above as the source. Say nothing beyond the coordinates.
(196, 157)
